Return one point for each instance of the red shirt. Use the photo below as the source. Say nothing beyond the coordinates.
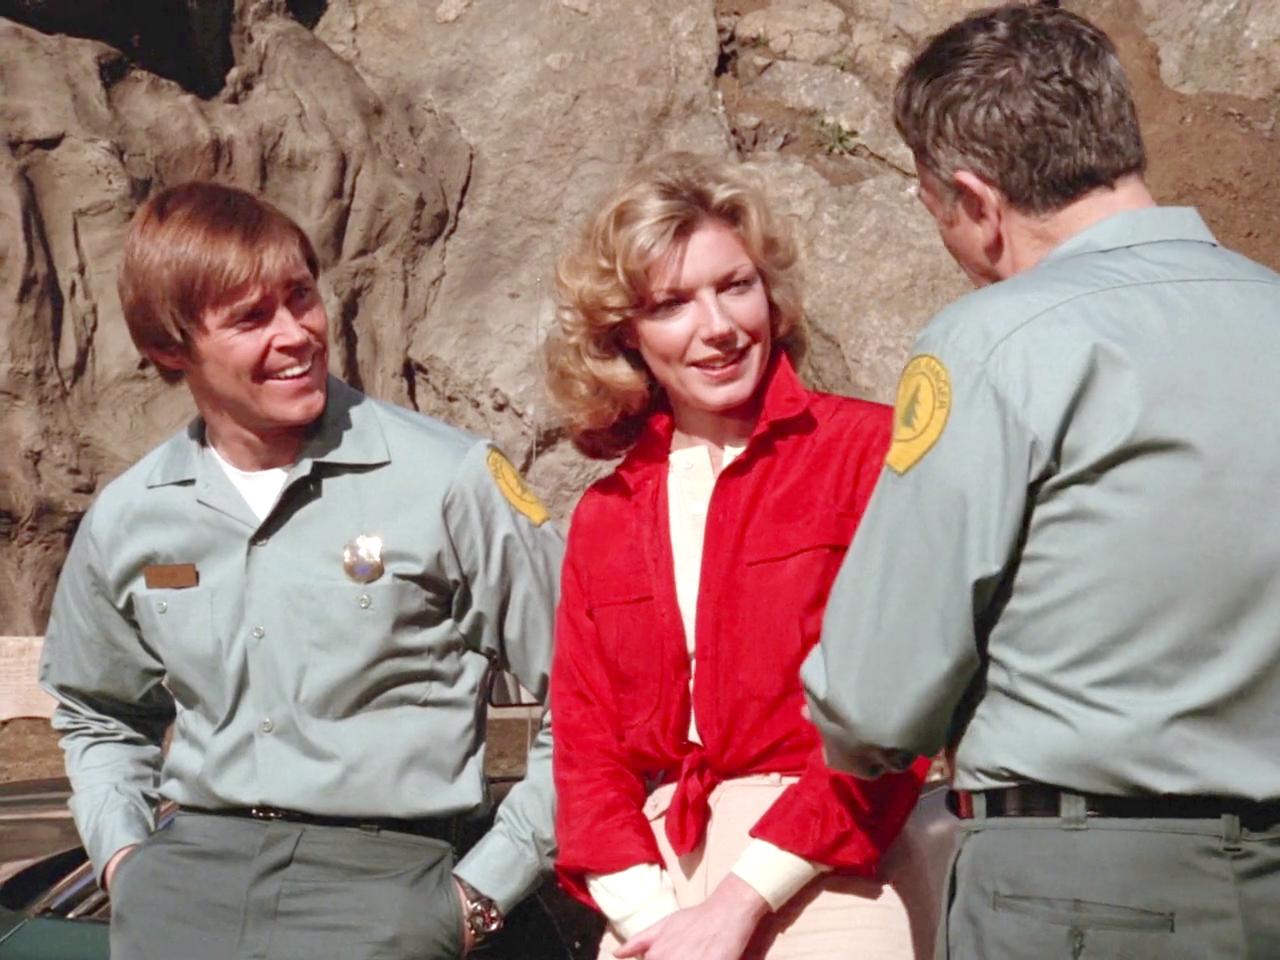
(780, 518)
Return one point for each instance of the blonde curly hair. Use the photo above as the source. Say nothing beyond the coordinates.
(601, 385)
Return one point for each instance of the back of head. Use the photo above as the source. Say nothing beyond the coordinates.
(193, 246)
(1030, 98)
(598, 381)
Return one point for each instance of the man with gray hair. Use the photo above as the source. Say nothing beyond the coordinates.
(1068, 572)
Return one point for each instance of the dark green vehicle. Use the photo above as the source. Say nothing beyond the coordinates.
(52, 908)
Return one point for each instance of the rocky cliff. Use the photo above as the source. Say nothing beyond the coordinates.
(440, 152)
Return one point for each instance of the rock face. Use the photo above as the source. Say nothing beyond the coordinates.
(1217, 46)
(441, 153)
(377, 184)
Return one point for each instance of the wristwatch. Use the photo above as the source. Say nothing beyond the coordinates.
(483, 916)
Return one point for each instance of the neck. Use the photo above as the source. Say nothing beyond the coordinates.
(246, 450)
(1029, 238)
(714, 430)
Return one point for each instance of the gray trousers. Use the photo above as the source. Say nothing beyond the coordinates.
(223, 888)
(1079, 888)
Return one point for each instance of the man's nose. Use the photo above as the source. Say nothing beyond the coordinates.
(288, 326)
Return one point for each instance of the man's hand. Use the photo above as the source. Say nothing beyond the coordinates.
(113, 864)
(468, 938)
(719, 928)
(865, 761)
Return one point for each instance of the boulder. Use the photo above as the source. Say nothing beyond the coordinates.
(1217, 46)
(874, 273)
(808, 30)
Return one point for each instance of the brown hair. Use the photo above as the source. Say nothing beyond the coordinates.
(1032, 99)
(192, 246)
(600, 384)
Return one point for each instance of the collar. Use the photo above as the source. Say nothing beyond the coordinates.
(785, 399)
(1134, 227)
(347, 432)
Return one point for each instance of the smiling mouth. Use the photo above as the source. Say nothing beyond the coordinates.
(294, 372)
(722, 361)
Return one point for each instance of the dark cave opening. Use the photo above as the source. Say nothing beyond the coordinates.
(186, 41)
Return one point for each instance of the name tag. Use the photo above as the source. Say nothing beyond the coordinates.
(170, 576)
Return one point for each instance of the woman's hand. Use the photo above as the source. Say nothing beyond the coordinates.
(719, 928)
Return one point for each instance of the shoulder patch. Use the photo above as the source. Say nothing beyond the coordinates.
(513, 487)
(919, 412)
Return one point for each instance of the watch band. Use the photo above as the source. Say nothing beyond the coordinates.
(483, 917)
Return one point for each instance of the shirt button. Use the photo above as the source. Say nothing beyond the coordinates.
(267, 725)
(258, 633)
(365, 601)
(259, 540)
(161, 606)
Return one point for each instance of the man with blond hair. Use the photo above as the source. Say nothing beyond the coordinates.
(1068, 573)
(311, 587)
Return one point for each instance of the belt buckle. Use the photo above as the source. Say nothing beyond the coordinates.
(266, 813)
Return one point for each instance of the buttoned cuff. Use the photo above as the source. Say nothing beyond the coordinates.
(633, 899)
(501, 870)
(774, 873)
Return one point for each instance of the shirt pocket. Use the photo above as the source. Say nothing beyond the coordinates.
(789, 569)
(625, 615)
(372, 646)
(178, 626)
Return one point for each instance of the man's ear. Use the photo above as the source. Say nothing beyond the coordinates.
(985, 207)
(172, 360)
(983, 204)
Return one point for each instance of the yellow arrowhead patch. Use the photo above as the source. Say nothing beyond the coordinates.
(919, 412)
(513, 487)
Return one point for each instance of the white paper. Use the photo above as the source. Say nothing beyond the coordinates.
(20, 695)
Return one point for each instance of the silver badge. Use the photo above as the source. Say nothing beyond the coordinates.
(362, 558)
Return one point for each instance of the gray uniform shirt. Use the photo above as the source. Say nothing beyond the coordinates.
(1079, 581)
(293, 684)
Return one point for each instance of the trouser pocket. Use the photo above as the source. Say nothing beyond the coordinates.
(396, 912)
(1083, 913)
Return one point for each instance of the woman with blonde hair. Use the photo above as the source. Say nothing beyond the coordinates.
(694, 807)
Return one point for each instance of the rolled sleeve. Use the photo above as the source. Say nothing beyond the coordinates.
(633, 899)
(776, 874)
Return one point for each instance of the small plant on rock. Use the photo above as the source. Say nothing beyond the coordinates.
(836, 138)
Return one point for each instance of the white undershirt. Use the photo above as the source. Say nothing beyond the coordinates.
(640, 896)
(260, 488)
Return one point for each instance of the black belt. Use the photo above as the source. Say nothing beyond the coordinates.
(1041, 800)
(439, 828)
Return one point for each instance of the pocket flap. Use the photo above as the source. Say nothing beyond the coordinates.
(824, 528)
(620, 586)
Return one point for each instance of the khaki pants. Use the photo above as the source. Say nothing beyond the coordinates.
(1086, 888)
(222, 888)
(891, 918)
